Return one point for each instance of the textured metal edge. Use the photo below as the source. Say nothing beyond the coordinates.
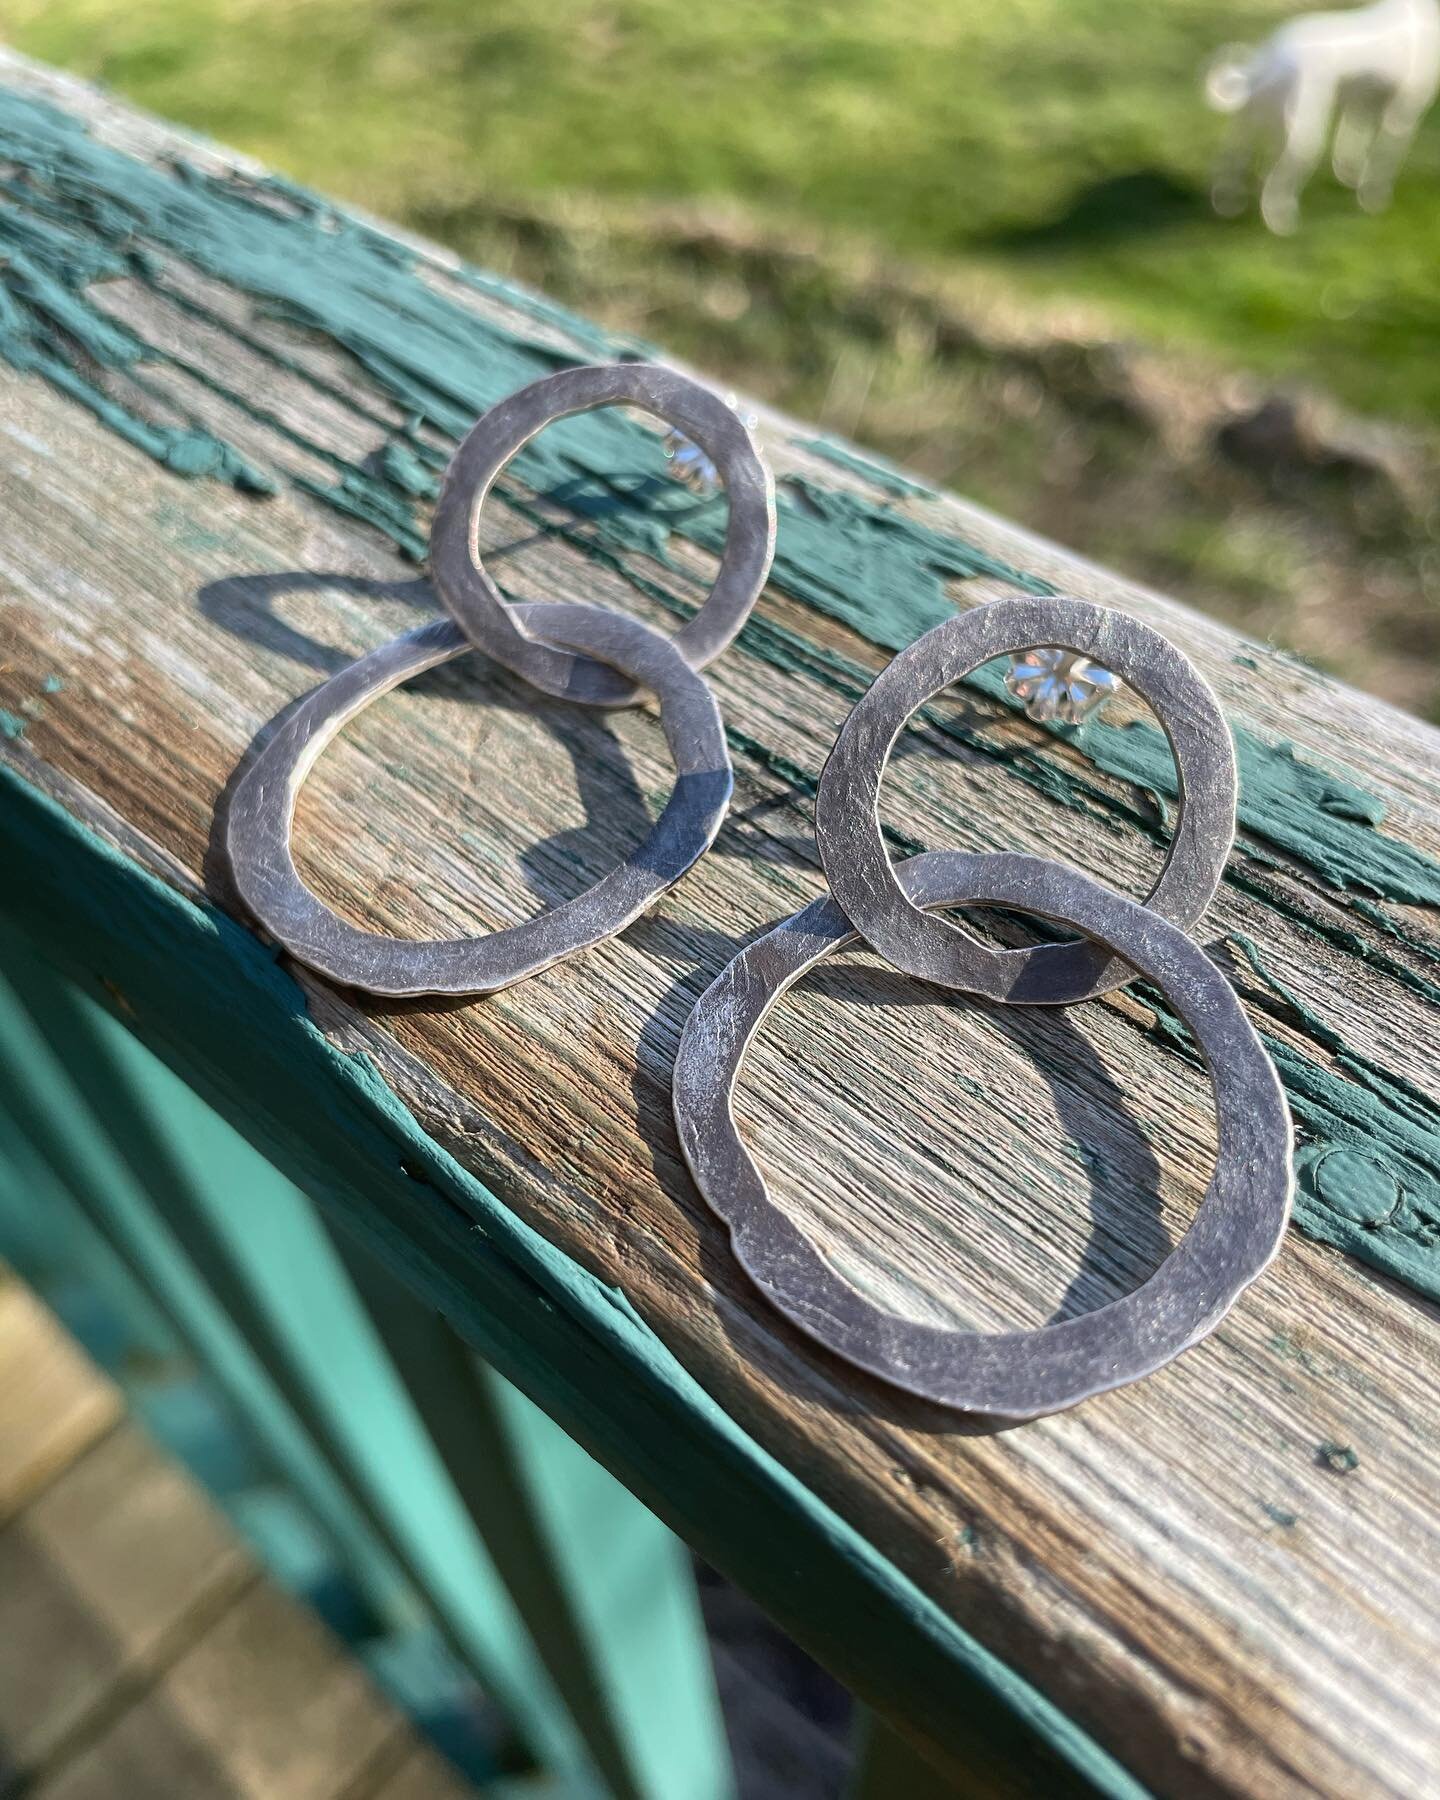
(1016, 1374)
(262, 811)
(847, 825)
(471, 597)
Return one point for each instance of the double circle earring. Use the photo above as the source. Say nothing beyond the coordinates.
(576, 652)
(1242, 1217)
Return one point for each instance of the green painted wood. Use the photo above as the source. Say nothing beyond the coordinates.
(889, 1767)
(119, 1284)
(94, 1290)
(207, 997)
(253, 1243)
(49, 1117)
(605, 1590)
(79, 1274)
(602, 1586)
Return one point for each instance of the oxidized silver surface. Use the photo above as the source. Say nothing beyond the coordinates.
(1012, 1374)
(263, 809)
(472, 598)
(847, 827)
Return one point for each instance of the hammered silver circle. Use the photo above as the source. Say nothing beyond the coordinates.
(1011, 1374)
(847, 826)
(262, 813)
(476, 604)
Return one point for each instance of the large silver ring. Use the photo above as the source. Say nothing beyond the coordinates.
(1012, 1374)
(262, 815)
(472, 598)
(847, 826)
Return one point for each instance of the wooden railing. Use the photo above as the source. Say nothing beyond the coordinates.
(222, 410)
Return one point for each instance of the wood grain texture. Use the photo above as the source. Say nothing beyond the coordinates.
(1228, 1574)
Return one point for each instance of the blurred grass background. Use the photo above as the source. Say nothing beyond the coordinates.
(974, 236)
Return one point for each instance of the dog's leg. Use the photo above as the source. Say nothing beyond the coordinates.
(1398, 124)
(1355, 134)
(1307, 117)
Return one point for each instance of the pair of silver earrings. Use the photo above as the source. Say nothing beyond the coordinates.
(600, 658)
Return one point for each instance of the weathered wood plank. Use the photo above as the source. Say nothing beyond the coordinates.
(141, 1652)
(101, 1580)
(1227, 1574)
(265, 1705)
(422, 1776)
(249, 1244)
(53, 1406)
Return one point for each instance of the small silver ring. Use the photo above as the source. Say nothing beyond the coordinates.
(847, 825)
(262, 814)
(476, 604)
(1013, 1374)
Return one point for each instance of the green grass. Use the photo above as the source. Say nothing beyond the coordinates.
(1060, 144)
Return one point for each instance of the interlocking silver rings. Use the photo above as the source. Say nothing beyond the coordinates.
(582, 652)
(847, 828)
(262, 813)
(1011, 1374)
(606, 659)
(472, 598)
(1238, 1228)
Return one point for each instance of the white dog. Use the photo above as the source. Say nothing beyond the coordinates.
(1378, 67)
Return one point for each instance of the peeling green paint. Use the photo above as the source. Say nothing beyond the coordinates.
(75, 214)
(1368, 1157)
(874, 468)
